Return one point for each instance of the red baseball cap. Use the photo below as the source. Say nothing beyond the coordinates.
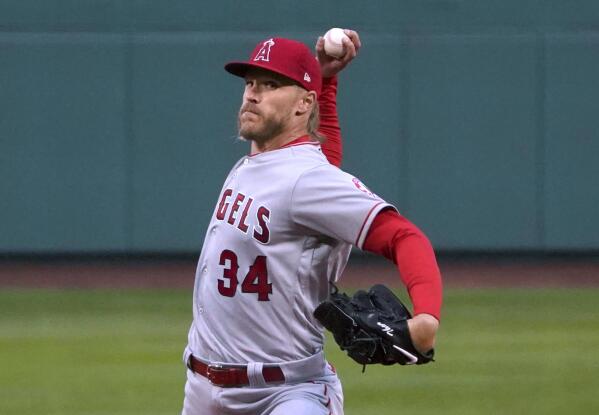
(286, 57)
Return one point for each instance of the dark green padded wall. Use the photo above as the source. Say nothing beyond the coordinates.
(472, 140)
(571, 192)
(478, 119)
(63, 140)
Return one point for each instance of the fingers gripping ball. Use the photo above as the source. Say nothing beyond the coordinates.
(372, 327)
(333, 42)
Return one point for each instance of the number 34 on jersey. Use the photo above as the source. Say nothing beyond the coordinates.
(254, 282)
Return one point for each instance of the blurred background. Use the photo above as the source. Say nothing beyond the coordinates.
(478, 119)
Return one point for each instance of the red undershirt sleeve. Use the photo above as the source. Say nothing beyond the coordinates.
(397, 239)
(329, 122)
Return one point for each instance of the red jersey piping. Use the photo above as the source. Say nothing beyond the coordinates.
(364, 223)
(305, 139)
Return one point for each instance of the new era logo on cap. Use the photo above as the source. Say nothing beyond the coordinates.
(307, 77)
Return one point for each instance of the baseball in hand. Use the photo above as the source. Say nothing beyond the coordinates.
(333, 42)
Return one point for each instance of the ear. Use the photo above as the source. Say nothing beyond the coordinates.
(306, 102)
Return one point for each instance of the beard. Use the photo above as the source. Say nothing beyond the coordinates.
(261, 128)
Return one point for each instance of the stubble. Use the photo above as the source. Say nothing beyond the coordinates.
(263, 128)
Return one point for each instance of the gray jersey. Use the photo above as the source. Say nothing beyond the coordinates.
(281, 231)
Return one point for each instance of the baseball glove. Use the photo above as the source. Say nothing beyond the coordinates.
(371, 326)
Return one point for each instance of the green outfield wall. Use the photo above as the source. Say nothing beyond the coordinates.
(478, 119)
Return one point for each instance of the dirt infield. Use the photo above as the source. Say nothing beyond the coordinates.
(466, 272)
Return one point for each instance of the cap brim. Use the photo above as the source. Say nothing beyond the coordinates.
(240, 69)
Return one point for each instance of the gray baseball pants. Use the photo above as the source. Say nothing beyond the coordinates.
(317, 396)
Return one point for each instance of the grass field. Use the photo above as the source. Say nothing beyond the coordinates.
(500, 351)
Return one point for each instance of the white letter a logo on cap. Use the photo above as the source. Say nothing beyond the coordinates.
(264, 52)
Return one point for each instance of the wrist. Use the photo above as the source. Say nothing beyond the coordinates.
(423, 329)
(329, 80)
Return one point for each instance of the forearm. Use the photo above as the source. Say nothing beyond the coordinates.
(394, 237)
(400, 241)
(329, 127)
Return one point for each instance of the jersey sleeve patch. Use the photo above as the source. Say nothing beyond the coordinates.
(362, 187)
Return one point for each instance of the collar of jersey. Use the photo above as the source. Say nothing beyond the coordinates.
(305, 139)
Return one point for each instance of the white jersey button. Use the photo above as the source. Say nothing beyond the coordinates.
(246, 161)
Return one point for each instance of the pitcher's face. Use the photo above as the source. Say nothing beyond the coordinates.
(269, 105)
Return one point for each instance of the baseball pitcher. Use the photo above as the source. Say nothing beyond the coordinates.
(278, 240)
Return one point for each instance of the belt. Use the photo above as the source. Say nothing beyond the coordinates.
(232, 376)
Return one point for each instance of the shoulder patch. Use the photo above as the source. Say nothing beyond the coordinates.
(362, 187)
